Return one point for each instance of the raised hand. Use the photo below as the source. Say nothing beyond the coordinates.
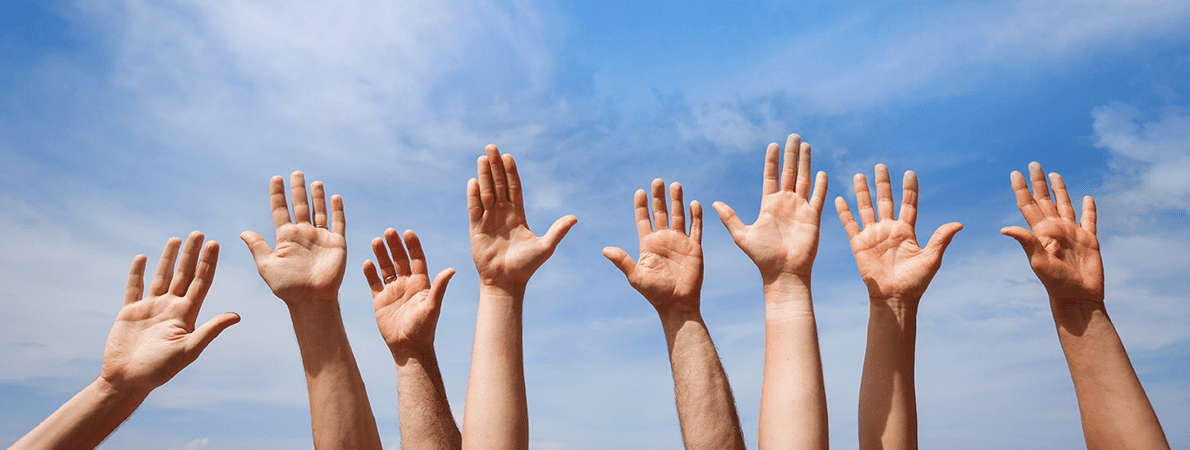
(506, 253)
(155, 337)
(310, 258)
(1063, 253)
(407, 305)
(784, 238)
(669, 274)
(894, 267)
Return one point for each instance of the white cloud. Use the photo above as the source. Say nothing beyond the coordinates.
(1152, 156)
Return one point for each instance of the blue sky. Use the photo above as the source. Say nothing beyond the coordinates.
(123, 123)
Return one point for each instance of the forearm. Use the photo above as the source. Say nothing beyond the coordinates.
(340, 413)
(1115, 411)
(426, 421)
(887, 400)
(496, 414)
(706, 409)
(793, 410)
(85, 420)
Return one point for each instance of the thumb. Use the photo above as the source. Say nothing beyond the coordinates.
(942, 237)
(203, 335)
(256, 245)
(1026, 238)
(438, 289)
(620, 259)
(559, 230)
(730, 220)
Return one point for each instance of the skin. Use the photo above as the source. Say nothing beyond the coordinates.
(782, 242)
(1064, 254)
(153, 339)
(305, 271)
(669, 275)
(897, 272)
(506, 255)
(407, 308)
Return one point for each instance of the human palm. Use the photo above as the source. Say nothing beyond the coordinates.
(784, 238)
(406, 314)
(891, 263)
(149, 343)
(503, 247)
(307, 261)
(670, 270)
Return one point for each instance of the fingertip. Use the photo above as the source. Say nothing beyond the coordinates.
(490, 148)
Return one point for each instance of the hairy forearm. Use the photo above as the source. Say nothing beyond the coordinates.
(426, 421)
(1115, 411)
(793, 410)
(887, 399)
(496, 414)
(339, 409)
(706, 408)
(86, 419)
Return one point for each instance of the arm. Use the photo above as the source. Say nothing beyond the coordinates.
(783, 242)
(152, 340)
(897, 272)
(407, 308)
(305, 271)
(506, 254)
(669, 276)
(1065, 256)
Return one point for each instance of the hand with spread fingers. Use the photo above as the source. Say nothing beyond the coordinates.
(311, 254)
(897, 271)
(1064, 253)
(407, 308)
(669, 275)
(153, 339)
(783, 242)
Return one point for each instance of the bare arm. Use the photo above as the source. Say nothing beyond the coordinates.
(896, 271)
(152, 340)
(783, 242)
(305, 271)
(407, 309)
(669, 276)
(506, 255)
(1115, 411)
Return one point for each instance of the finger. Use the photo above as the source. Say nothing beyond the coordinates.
(772, 171)
(204, 277)
(165, 267)
(1024, 200)
(301, 204)
(1026, 238)
(474, 204)
(818, 197)
(384, 262)
(373, 278)
(499, 177)
(438, 288)
(203, 335)
(400, 255)
(417, 257)
(620, 259)
(732, 222)
(135, 288)
(884, 200)
(803, 172)
(558, 231)
(256, 244)
(660, 215)
(793, 145)
(187, 260)
(1089, 215)
(1061, 197)
(677, 208)
(846, 218)
(318, 197)
(514, 184)
(640, 203)
(1041, 190)
(338, 217)
(863, 200)
(696, 221)
(909, 199)
(277, 202)
(483, 171)
(941, 239)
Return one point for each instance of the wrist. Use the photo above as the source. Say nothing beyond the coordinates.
(312, 305)
(412, 356)
(508, 291)
(905, 313)
(115, 392)
(680, 312)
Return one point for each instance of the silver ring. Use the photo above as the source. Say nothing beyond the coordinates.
(390, 279)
